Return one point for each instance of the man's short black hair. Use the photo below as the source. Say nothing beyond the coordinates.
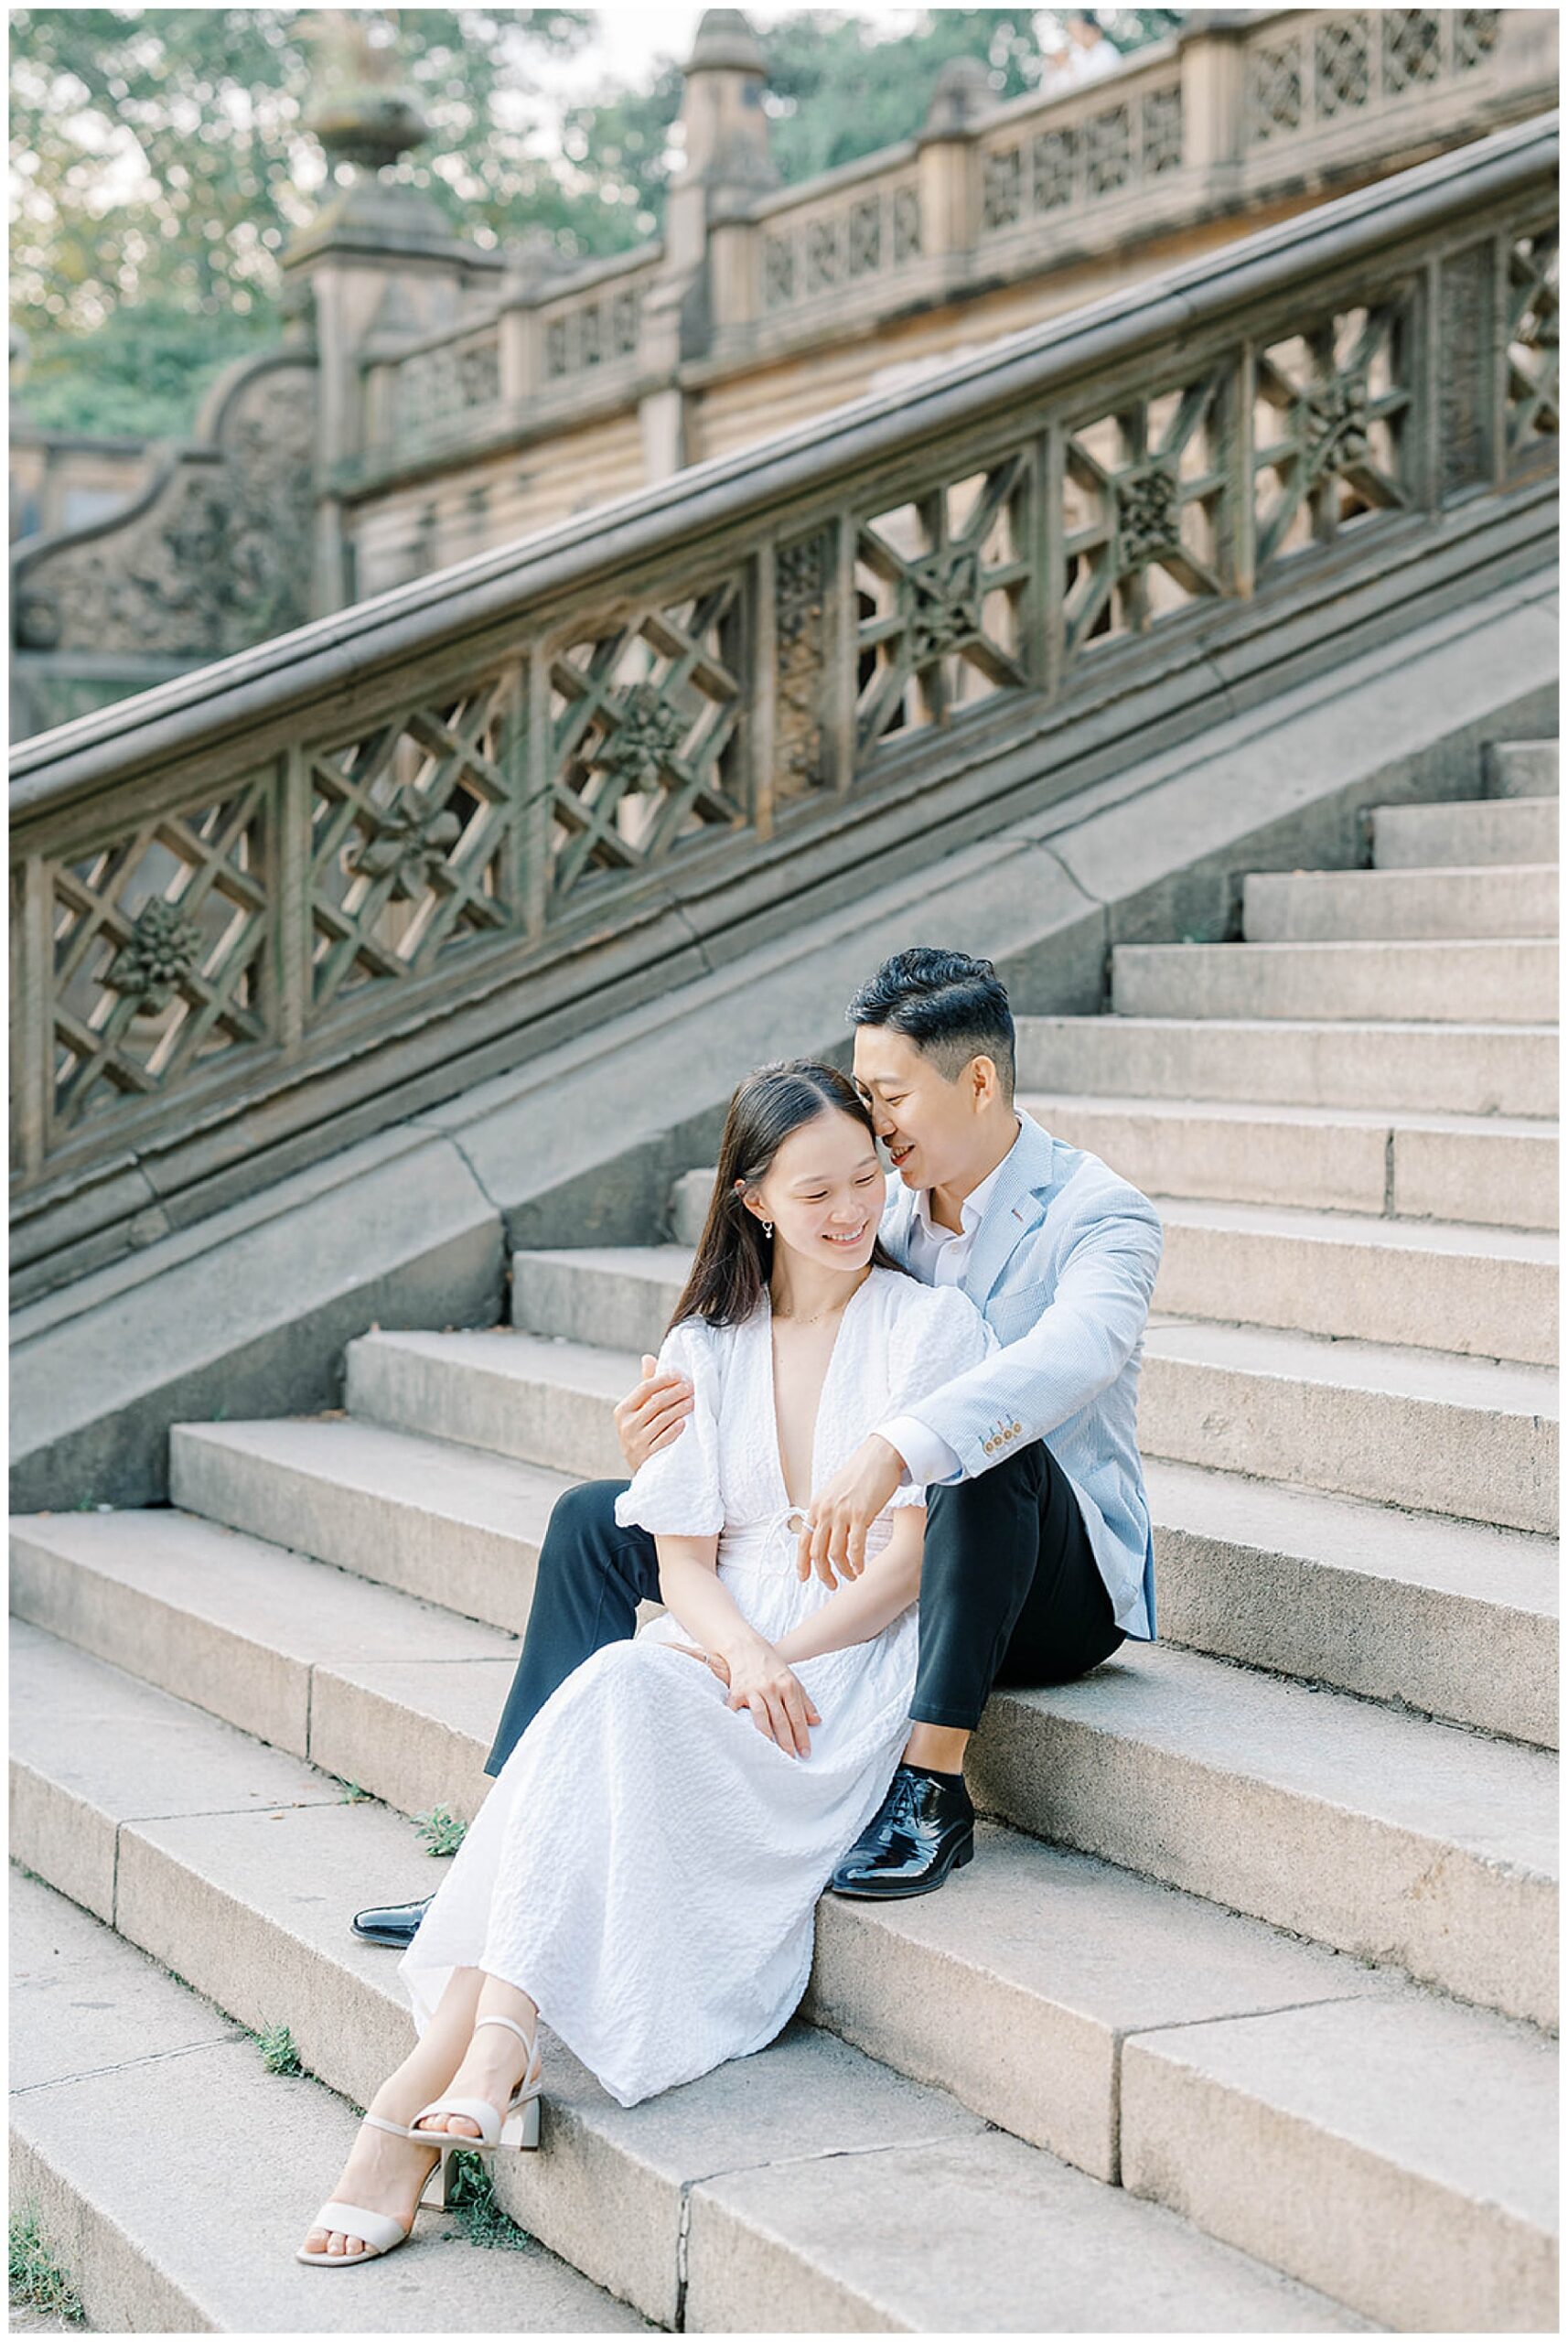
(952, 1007)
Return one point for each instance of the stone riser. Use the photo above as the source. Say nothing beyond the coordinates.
(622, 2195)
(1143, 1769)
(1440, 1455)
(1417, 983)
(1389, 1069)
(1522, 768)
(1497, 1301)
(169, 2224)
(1465, 835)
(415, 1730)
(1478, 1449)
(1317, 1160)
(1480, 1305)
(1392, 905)
(1476, 1643)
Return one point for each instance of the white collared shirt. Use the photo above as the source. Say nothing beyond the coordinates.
(939, 1255)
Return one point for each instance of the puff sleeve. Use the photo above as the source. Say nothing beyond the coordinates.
(940, 1333)
(676, 1493)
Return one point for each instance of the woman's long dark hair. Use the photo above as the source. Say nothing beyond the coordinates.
(734, 1259)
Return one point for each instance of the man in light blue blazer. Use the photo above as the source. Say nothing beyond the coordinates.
(1038, 1559)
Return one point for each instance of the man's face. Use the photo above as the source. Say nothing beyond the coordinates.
(928, 1125)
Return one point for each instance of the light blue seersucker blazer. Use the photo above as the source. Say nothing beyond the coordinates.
(1062, 1267)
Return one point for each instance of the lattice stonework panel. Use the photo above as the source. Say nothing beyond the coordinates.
(644, 745)
(1143, 493)
(157, 953)
(1329, 428)
(1274, 92)
(412, 823)
(940, 587)
(1532, 341)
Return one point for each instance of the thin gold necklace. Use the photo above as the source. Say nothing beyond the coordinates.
(791, 1318)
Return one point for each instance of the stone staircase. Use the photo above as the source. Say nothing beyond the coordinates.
(1243, 2020)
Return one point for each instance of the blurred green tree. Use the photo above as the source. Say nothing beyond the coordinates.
(159, 162)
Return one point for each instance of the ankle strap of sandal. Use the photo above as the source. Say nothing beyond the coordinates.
(513, 2024)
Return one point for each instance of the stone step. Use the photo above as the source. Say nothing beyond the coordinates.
(1522, 768)
(424, 1516)
(1342, 906)
(168, 2223)
(1252, 2090)
(1419, 1845)
(1488, 1293)
(1472, 1437)
(1449, 1617)
(651, 2201)
(1478, 1169)
(1491, 1294)
(509, 1393)
(1467, 835)
(1469, 1437)
(1392, 1069)
(1450, 983)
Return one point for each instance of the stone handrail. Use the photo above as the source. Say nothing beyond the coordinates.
(257, 904)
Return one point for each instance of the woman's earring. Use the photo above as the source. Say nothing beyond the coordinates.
(768, 1228)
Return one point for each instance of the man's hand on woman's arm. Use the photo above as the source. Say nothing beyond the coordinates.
(652, 1413)
(841, 1512)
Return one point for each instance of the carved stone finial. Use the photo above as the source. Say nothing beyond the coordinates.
(364, 116)
(963, 92)
(726, 41)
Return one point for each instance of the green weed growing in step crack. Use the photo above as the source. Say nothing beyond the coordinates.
(477, 2212)
(442, 1831)
(352, 1793)
(279, 2055)
(38, 2281)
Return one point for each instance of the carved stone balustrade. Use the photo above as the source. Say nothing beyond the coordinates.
(340, 876)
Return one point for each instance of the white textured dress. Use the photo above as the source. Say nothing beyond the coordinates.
(647, 1864)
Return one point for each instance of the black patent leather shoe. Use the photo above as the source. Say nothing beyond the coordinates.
(391, 1923)
(924, 1830)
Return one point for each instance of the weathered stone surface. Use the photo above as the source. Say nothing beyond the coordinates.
(1506, 829)
(1398, 1840)
(236, 1624)
(1455, 982)
(168, 2223)
(1020, 2244)
(246, 1312)
(1488, 1293)
(1450, 1616)
(448, 1522)
(1335, 906)
(1390, 1069)
(1347, 2149)
(1399, 1425)
(515, 1394)
(1522, 768)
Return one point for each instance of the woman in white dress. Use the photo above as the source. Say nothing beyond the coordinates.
(644, 1872)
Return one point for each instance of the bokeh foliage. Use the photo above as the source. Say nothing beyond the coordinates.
(160, 162)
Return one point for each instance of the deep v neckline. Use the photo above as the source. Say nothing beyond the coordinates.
(776, 1445)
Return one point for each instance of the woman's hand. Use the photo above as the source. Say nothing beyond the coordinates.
(652, 1413)
(780, 1705)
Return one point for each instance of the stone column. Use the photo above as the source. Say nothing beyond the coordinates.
(726, 165)
(375, 269)
(949, 160)
(1213, 97)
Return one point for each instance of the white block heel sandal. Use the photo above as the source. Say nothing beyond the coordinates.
(518, 2127)
(377, 2231)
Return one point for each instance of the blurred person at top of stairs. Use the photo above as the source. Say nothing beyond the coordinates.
(1039, 1558)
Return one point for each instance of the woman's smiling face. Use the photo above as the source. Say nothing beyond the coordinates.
(824, 1191)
